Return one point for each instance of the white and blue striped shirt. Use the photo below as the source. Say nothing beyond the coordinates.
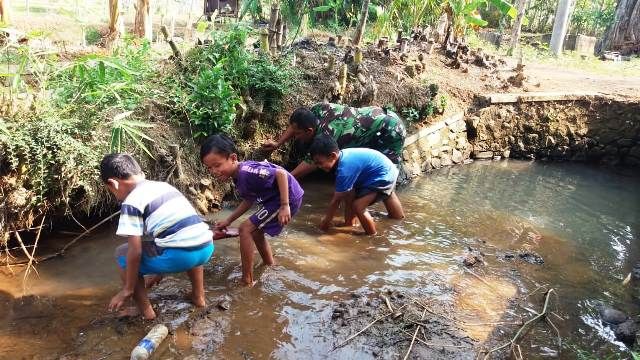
(159, 210)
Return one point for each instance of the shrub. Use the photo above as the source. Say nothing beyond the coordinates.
(220, 76)
(92, 36)
(212, 103)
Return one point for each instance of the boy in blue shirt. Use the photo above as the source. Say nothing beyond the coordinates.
(182, 242)
(363, 177)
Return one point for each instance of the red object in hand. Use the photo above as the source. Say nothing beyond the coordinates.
(226, 233)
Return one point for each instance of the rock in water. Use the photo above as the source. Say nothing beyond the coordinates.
(626, 332)
(531, 257)
(610, 315)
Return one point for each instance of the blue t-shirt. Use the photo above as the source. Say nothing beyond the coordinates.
(363, 168)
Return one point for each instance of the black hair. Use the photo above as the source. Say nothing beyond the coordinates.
(304, 119)
(219, 144)
(119, 166)
(323, 145)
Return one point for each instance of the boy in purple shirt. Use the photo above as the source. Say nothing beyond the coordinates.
(270, 186)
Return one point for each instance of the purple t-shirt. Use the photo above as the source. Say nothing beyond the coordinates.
(256, 182)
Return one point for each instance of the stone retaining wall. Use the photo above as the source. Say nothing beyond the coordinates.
(441, 144)
(597, 130)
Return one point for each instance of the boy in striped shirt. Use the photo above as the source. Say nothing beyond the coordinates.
(182, 242)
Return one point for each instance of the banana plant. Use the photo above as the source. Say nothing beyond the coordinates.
(466, 13)
(335, 6)
(122, 129)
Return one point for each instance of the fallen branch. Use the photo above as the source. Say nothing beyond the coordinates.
(415, 334)
(364, 329)
(64, 249)
(524, 327)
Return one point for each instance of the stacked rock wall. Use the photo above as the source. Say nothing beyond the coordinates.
(600, 130)
(441, 144)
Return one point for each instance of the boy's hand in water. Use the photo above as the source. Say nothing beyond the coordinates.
(325, 224)
(222, 224)
(118, 300)
(284, 214)
(269, 145)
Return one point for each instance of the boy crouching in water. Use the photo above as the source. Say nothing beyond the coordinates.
(272, 187)
(363, 177)
(181, 240)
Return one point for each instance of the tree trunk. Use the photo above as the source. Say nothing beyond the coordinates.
(273, 23)
(624, 32)
(5, 11)
(560, 25)
(143, 22)
(113, 16)
(364, 13)
(517, 26)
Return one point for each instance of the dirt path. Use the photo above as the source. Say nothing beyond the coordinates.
(553, 78)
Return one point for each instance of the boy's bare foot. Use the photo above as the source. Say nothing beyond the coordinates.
(148, 313)
(133, 311)
(130, 311)
(247, 282)
(152, 280)
(198, 300)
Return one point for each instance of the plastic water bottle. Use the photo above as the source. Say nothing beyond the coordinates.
(146, 346)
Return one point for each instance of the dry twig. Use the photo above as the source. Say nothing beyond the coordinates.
(524, 327)
(415, 334)
(33, 253)
(69, 244)
(364, 329)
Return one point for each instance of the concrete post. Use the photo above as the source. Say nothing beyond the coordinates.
(560, 25)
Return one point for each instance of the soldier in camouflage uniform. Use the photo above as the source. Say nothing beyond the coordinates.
(371, 127)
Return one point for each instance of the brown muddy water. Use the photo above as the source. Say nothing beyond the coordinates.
(584, 222)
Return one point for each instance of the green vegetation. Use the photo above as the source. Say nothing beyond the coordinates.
(61, 120)
(222, 77)
(92, 36)
(95, 81)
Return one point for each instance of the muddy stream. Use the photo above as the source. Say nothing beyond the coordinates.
(583, 223)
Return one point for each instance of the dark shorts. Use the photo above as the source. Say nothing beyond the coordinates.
(159, 260)
(383, 191)
(266, 217)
